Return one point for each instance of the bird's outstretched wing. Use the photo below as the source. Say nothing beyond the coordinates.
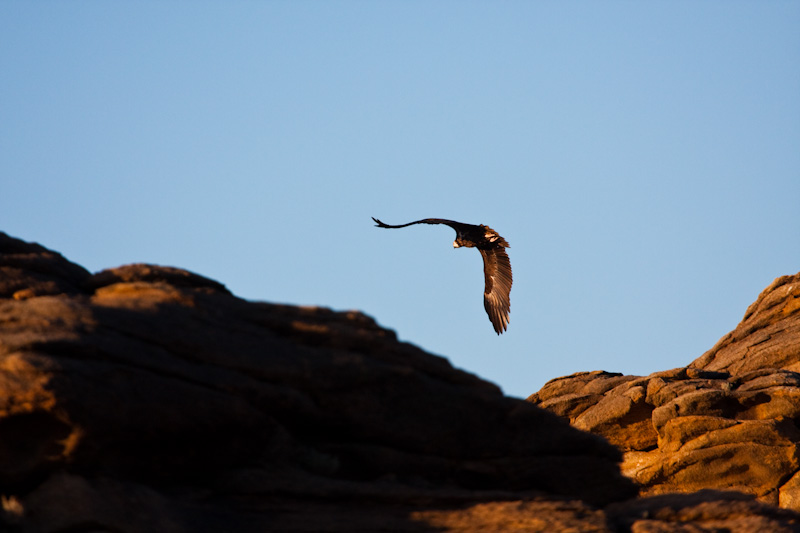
(496, 293)
(496, 266)
(452, 223)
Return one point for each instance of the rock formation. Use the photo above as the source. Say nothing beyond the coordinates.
(147, 398)
(728, 421)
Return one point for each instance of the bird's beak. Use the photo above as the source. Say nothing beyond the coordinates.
(456, 245)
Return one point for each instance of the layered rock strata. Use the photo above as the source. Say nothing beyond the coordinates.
(728, 421)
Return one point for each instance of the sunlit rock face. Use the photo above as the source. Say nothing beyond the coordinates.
(727, 421)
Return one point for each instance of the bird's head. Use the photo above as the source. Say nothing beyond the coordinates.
(461, 241)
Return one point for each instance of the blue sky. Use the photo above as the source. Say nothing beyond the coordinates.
(642, 158)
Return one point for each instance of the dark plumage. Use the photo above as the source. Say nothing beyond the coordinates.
(496, 267)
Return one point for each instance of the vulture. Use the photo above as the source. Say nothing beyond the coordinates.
(496, 267)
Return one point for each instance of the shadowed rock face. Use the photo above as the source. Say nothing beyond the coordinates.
(147, 398)
(159, 379)
(727, 421)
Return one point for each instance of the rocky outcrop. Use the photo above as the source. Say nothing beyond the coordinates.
(727, 421)
(768, 336)
(147, 398)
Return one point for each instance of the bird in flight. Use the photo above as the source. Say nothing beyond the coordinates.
(496, 267)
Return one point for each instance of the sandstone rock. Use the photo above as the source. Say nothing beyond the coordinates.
(727, 421)
(148, 398)
(767, 337)
(701, 512)
(28, 269)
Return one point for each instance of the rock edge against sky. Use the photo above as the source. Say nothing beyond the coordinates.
(148, 398)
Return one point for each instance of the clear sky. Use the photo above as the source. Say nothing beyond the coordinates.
(642, 158)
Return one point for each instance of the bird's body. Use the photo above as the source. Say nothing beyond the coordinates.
(496, 266)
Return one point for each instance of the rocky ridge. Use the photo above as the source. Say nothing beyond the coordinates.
(149, 398)
(729, 420)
